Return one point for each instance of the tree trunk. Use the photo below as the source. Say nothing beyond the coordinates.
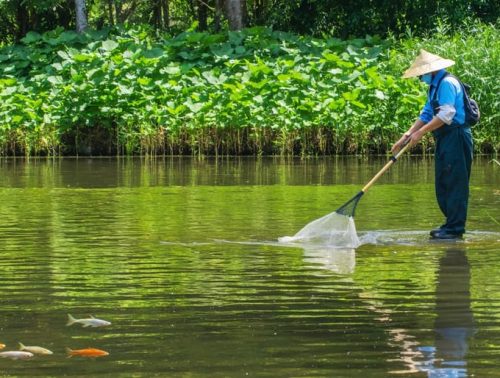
(110, 12)
(166, 14)
(236, 13)
(218, 14)
(81, 16)
(156, 18)
(22, 20)
(202, 15)
(259, 7)
(118, 12)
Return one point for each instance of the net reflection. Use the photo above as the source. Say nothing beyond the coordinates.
(336, 260)
(454, 324)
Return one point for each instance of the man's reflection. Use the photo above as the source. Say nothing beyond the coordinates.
(454, 320)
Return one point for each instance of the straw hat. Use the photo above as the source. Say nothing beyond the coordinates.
(425, 63)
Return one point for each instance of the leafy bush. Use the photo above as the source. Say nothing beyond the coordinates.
(250, 92)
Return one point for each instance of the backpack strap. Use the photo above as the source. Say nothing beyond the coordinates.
(433, 101)
(434, 95)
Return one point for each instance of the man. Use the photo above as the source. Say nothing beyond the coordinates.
(444, 116)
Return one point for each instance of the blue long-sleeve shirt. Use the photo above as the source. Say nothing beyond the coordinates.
(450, 94)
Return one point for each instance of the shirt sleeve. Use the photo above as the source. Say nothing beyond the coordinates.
(447, 95)
(446, 113)
(427, 114)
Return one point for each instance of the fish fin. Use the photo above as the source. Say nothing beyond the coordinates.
(21, 346)
(71, 320)
(91, 317)
(70, 352)
(86, 325)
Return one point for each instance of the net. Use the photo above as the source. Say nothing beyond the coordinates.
(349, 207)
(333, 230)
(337, 229)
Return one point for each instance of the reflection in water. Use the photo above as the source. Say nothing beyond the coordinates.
(341, 261)
(86, 236)
(454, 321)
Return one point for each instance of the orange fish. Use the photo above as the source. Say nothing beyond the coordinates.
(89, 352)
(2, 346)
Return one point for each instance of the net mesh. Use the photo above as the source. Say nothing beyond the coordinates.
(333, 230)
(349, 207)
(336, 229)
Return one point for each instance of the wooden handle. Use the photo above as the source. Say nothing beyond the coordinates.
(386, 167)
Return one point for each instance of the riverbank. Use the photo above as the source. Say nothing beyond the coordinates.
(254, 92)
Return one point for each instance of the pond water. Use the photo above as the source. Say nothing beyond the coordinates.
(181, 256)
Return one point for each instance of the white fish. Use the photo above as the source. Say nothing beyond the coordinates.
(89, 322)
(16, 355)
(34, 349)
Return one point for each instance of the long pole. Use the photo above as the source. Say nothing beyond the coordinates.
(385, 168)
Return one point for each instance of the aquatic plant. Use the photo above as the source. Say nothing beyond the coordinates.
(257, 91)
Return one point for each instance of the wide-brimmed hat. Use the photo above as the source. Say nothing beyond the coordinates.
(426, 62)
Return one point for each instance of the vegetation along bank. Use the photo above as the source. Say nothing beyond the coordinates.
(253, 91)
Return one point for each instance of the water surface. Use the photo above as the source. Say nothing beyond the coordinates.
(181, 255)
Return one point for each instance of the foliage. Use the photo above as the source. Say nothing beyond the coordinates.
(253, 91)
(339, 18)
(359, 17)
(476, 51)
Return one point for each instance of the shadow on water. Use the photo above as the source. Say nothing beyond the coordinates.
(454, 324)
(454, 320)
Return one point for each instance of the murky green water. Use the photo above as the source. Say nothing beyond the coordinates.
(181, 256)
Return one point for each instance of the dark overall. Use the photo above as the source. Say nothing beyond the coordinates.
(453, 159)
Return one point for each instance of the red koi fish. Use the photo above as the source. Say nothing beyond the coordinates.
(88, 352)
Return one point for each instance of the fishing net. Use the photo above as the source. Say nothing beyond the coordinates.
(349, 207)
(333, 230)
(336, 229)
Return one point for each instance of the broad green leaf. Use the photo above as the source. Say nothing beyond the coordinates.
(64, 55)
(125, 90)
(55, 80)
(175, 110)
(109, 45)
(379, 94)
(171, 70)
(144, 81)
(57, 66)
(153, 53)
(194, 107)
(240, 50)
(284, 78)
(82, 58)
(335, 71)
(8, 81)
(8, 91)
(31, 37)
(358, 104)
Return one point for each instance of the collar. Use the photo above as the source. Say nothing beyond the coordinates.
(437, 77)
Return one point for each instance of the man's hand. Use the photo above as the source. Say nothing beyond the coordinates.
(415, 137)
(397, 146)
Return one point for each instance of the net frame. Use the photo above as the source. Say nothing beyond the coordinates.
(349, 208)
